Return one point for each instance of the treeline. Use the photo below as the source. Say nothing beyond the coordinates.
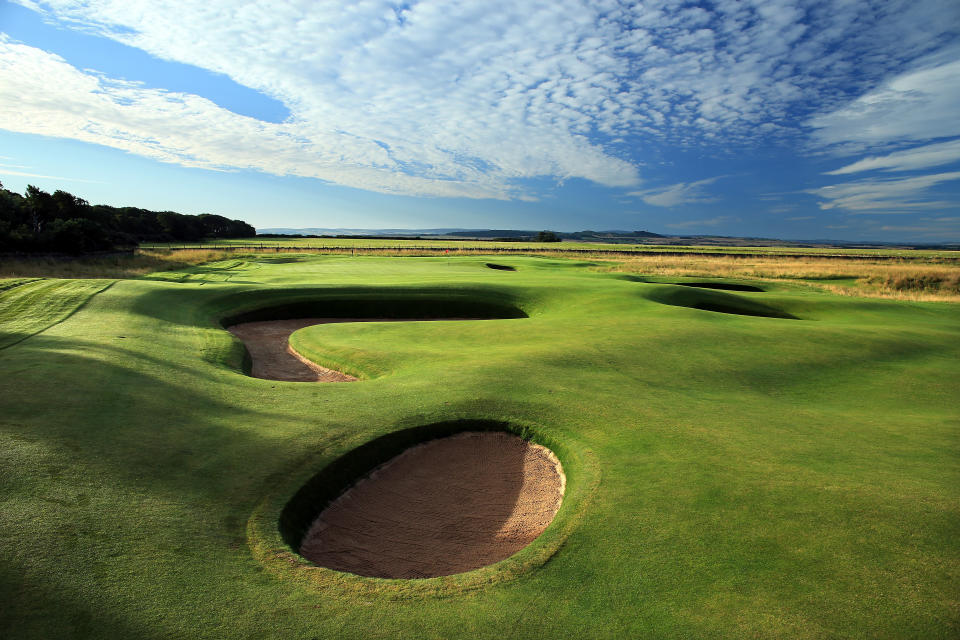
(61, 222)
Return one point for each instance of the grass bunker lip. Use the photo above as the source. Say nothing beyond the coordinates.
(716, 301)
(723, 286)
(435, 304)
(265, 330)
(699, 284)
(425, 502)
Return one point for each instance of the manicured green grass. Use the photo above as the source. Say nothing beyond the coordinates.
(28, 306)
(730, 475)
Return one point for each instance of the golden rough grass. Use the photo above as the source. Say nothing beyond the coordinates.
(901, 280)
(897, 279)
(140, 262)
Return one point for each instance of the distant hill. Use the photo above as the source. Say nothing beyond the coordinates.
(605, 237)
(465, 234)
(316, 231)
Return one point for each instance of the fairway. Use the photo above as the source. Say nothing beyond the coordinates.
(741, 458)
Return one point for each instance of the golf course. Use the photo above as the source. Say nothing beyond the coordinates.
(670, 456)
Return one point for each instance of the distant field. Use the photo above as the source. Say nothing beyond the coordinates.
(745, 457)
(326, 244)
(889, 273)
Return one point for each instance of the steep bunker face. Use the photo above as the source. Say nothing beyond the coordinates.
(716, 301)
(444, 506)
(265, 331)
(723, 286)
(272, 357)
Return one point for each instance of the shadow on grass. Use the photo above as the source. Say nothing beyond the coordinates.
(26, 611)
(171, 430)
(216, 308)
(335, 478)
(722, 286)
(715, 301)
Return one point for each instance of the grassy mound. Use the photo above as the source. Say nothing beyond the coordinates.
(723, 286)
(696, 298)
(700, 284)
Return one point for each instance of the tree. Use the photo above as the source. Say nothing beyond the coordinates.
(547, 236)
(63, 222)
(40, 207)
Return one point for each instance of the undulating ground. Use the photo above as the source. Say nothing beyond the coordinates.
(774, 463)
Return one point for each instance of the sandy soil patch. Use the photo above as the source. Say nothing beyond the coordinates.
(446, 506)
(273, 358)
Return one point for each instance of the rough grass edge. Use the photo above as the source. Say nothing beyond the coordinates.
(141, 262)
(915, 282)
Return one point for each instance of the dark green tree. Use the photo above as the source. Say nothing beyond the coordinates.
(64, 223)
(547, 236)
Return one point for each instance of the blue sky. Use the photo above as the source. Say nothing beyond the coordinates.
(780, 118)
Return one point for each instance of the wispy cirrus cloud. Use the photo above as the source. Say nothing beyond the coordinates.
(897, 195)
(28, 174)
(677, 194)
(915, 106)
(910, 109)
(7, 169)
(923, 157)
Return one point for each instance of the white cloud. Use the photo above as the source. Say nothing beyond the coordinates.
(677, 194)
(44, 95)
(932, 155)
(901, 195)
(7, 172)
(914, 106)
(466, 98)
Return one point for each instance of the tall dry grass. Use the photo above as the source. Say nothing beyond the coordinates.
(117, 266)
(899, 279)
(902, 280)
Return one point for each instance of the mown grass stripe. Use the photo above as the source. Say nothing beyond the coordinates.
(35, 306)
(10, 283)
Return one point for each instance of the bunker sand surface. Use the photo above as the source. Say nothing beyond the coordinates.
(268, 343)
(442, 507)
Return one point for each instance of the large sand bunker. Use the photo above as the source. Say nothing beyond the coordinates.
(442, 507)
(268, 344)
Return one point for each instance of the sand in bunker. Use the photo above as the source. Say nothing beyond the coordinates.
(273, 358)
(442, 507)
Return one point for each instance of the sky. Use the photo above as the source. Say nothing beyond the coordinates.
(793, 119)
